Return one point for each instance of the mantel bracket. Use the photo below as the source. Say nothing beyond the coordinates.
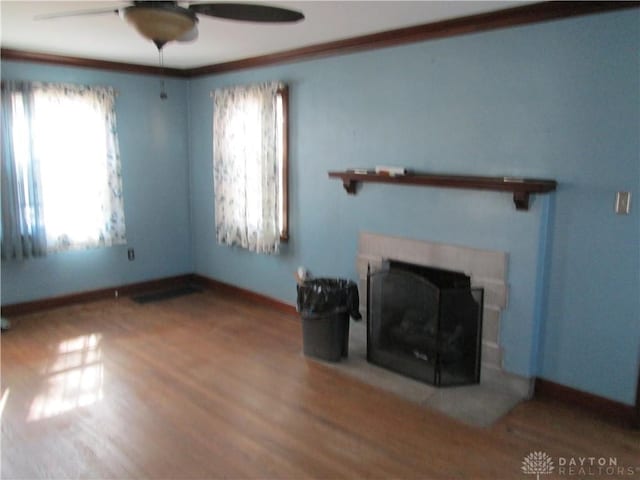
(521, 200)
(349, 186)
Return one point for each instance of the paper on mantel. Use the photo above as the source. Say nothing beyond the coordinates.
(392, 171)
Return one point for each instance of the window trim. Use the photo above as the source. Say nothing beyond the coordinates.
(283, 93)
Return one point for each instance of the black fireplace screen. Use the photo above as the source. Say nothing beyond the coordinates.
(425, 323)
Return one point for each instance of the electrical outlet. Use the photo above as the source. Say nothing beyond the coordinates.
(131, 254)
(623, 203)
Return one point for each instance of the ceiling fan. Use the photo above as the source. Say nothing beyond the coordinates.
(168, 21)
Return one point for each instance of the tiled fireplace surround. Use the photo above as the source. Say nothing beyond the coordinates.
(487, 269)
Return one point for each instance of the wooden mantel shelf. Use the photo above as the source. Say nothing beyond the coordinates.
(521, 188)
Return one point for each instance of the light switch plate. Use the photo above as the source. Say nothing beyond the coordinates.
(623, 203)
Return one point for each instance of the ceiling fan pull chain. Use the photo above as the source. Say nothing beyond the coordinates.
(163, 93)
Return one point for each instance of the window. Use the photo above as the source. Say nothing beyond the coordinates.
(60, 168)
(250, 138)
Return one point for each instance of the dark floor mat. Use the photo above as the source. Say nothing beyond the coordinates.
(165, 294)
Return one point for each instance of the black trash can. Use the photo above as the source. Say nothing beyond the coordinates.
(325, 305)
(326, 336)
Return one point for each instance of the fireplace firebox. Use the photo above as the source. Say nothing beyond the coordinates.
(425, 323)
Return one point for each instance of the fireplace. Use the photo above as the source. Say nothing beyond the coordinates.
(425, 323)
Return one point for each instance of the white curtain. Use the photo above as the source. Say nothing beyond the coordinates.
(245, 167)
(60, 144)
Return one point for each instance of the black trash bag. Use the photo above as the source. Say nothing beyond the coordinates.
(327, 295)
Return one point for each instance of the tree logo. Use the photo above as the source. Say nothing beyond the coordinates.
(537, 463)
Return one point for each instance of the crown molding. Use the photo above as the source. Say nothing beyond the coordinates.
(510, 17)
(37, 57)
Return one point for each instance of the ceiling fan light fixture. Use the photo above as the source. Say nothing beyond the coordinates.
(160, 25)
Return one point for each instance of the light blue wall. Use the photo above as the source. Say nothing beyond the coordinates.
(592, 328)
(153, 150)
(557, 100)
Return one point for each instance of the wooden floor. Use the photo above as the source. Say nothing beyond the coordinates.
(208, 386)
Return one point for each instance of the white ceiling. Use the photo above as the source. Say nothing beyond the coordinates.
(107, 37)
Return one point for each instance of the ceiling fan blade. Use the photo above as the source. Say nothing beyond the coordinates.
(247, 12)
(75, 13)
